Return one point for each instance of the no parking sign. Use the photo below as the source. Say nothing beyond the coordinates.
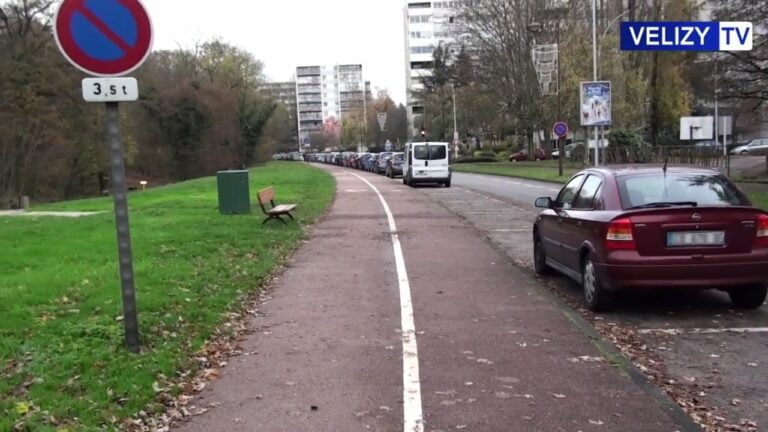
(108, 39)
(104, 37)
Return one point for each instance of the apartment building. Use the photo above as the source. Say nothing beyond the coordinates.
(325, 95)
(427, 25)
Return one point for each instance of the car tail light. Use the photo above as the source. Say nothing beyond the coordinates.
(619, 236)
(761, 238)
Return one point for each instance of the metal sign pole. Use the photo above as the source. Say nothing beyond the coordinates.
(120, 194)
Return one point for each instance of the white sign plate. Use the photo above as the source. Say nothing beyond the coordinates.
(110, 90)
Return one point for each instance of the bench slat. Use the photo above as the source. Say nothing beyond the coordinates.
(266, 195)
(283, 208)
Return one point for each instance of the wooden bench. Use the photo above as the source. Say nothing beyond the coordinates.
(268, 196)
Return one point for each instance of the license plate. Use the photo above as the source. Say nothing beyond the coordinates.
(421, 173)
(696, 238)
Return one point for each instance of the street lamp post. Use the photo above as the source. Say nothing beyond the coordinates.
(455, 122)
(594, 72)
(605, 33)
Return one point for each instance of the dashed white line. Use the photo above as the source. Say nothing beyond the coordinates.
(413, 417)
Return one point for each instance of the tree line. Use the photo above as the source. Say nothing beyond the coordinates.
(200, 110)
(498, 96)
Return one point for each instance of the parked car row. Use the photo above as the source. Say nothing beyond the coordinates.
(389, 164)
(422, 162)
(292, 156)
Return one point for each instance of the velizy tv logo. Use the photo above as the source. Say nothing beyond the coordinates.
(686, 36)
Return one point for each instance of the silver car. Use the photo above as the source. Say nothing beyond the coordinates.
(755, 147)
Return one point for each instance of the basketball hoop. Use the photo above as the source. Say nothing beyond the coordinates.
(382, 118)
(545, 58)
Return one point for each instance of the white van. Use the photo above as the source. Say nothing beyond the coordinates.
(427, 162)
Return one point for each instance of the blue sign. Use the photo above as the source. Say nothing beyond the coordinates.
(686, 36)
(560, 129)
(104, 37)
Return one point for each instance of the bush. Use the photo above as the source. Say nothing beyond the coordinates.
(474, 160)
(625, 138)
(485, 154)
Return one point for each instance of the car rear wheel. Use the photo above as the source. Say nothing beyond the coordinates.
(597, 298)
(751, 297)
(744, 153)
(540, 258)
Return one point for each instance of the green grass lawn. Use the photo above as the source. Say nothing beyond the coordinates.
(545, 170)
(61, 340)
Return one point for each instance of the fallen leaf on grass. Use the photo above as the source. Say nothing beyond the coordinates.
(22, 408)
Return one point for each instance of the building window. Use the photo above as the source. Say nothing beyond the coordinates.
(422, 50)
(420, 19)
(421, 35)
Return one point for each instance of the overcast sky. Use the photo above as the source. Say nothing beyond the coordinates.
(289, 33)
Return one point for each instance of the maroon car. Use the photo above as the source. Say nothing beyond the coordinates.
(522, 155)
(620, 228)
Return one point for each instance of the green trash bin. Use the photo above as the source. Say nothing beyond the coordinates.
(234, 192)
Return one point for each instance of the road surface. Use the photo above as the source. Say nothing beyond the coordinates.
(710, 350)
(396, 315)
(522, 191)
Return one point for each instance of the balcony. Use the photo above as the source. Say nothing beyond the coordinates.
(311, 98)
(309, 88)
(310, 116)
(308, 80)
(308, 70)
(310, 107)
(350, 68)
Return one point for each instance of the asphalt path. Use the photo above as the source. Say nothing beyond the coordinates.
(397, 315)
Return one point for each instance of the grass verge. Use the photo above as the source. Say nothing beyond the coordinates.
(62, 361)
(545, 171)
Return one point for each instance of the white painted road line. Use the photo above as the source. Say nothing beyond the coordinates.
(705, 330)
(413, 418)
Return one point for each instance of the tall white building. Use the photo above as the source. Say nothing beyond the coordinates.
(324, 95)
(427, 24)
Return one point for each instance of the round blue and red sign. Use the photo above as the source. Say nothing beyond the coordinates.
(104, 37)
(560, 129)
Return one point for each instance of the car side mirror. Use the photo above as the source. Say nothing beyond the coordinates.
(545, 203)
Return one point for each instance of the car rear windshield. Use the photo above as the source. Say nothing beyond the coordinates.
(428, 152)
(704, 189)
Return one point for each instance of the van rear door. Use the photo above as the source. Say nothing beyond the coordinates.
(430, 161)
